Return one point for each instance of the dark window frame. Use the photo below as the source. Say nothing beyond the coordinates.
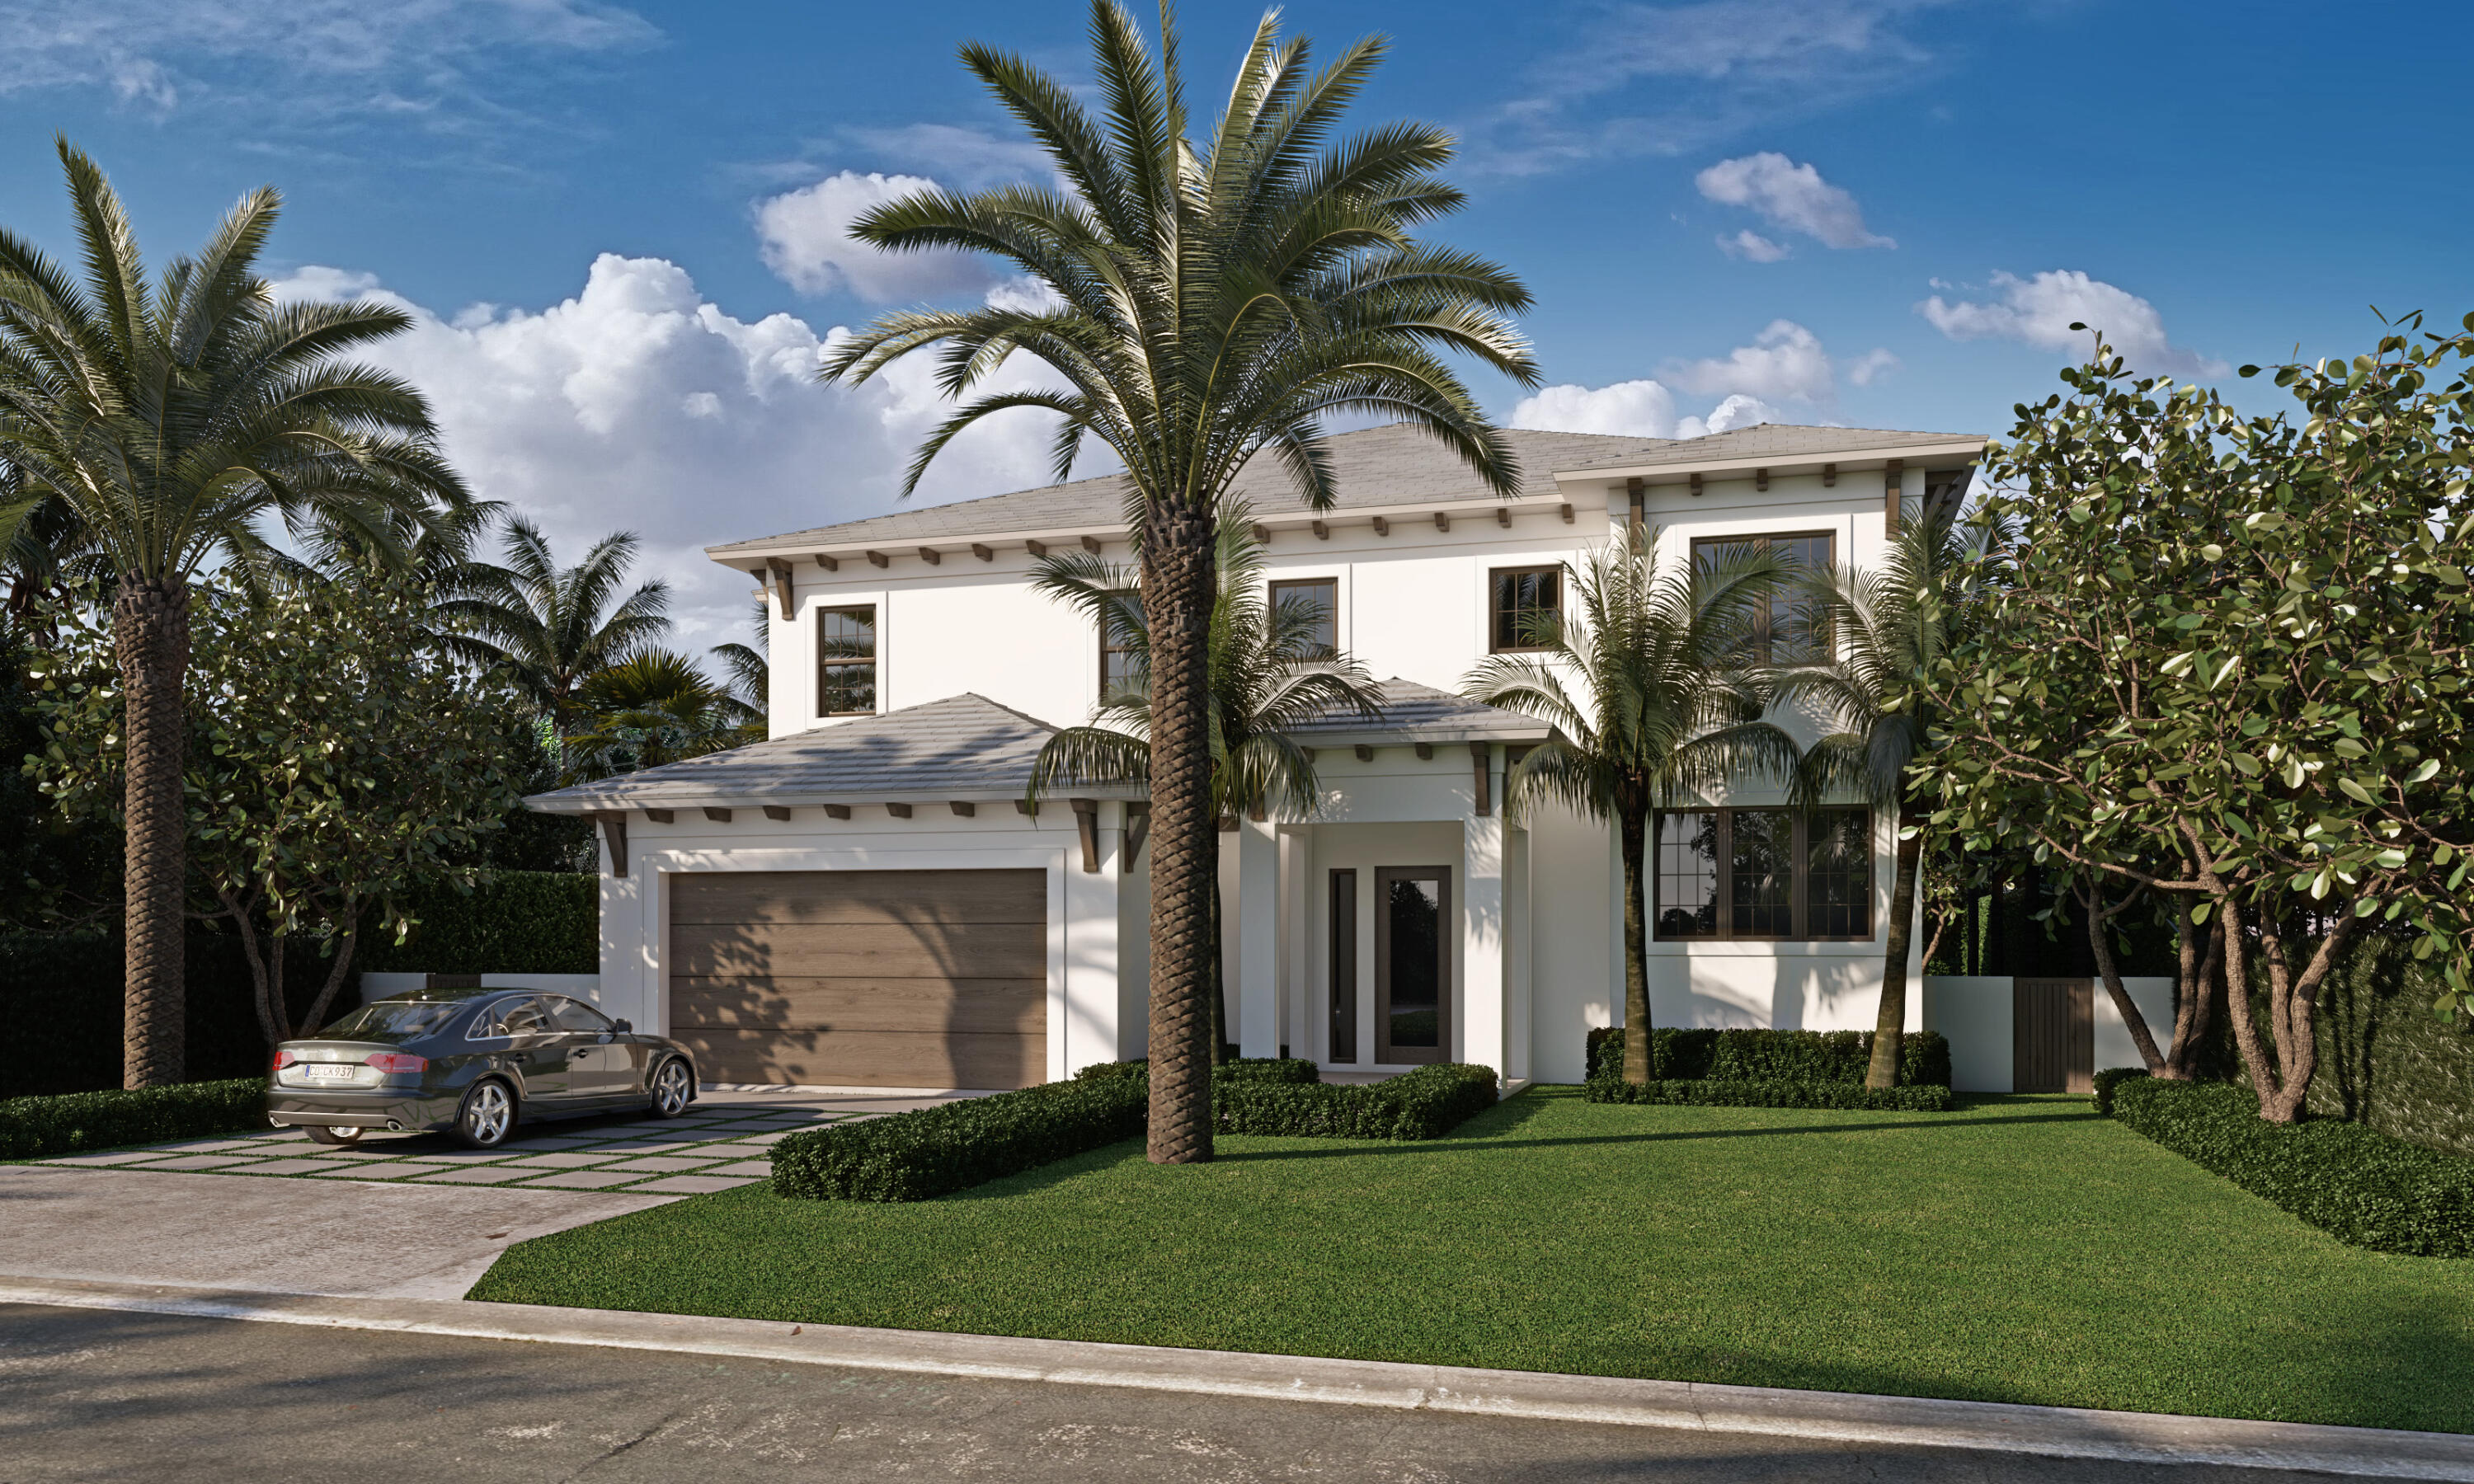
(1107, 648)
(1765, 631)
(1281, 589)
(1495, 609)
(1799, 908)
(825, 665)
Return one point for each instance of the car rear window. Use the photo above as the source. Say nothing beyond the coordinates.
(396, 1017)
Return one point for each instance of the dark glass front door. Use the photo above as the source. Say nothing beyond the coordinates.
(1413, 977)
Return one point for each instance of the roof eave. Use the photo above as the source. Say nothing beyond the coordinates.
(569, 801)
(1861, 457)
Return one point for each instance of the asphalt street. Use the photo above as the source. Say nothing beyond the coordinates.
(94, 1394)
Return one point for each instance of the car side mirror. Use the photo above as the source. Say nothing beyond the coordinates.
(625, 1026)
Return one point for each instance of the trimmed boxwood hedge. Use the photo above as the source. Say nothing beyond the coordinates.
(43, 1127)
(2112, 1077)
(2357, 1184)
(1689, 1053)
(931, 1152)
(1772, 1093)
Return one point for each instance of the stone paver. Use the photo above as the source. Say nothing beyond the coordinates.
(735, 1147)
(281, 1167)
(760, 1168)
(561, 1160)
(662, 1166)
(694, 1184)
(582, 1180)
(482, 1175)
(197, 1162)
(649, 1146)
(109, 1156)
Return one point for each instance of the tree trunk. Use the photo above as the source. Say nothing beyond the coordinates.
(1178, 586)
(1890, 1025)
(149, 625)
(1632, 825)
(352, 938)
(2293, 1010)
(2196, 987)
(2100, 940)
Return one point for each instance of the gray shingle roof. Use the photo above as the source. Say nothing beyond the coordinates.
(1390, 466)
(963, 746)
(1420, 714)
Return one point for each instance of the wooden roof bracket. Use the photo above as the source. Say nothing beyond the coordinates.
(1636, 495)
(1138, 828)
(613, 837)
(1086, 823)
(1485, 795)
(1893, 479)
(781, 570)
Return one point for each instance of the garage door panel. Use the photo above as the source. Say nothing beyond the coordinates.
(722, 950)
(1009, 1006)
(860, 898)
(877, 1059)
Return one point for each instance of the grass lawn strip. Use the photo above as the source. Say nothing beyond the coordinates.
(2020, 1250)
(712, 1150)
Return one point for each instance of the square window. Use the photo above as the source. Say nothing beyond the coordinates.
(1523, 604)
(847, 661)
(1305, 614)
(1791, 628)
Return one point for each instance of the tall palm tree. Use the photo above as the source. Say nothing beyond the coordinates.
(1667, 713)
(747, 673)
(551, 627)
(1271, 668)
(1210, 299)
(1891, 626)
(171, 420)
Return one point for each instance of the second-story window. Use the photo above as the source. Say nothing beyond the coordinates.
(1519, 600)
(847, 661)
(1121, 671)
(1792, 629)
(1307, 610)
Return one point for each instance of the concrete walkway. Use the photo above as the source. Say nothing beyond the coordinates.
(1902, 1427)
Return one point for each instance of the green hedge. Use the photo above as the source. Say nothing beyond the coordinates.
(42, 1128)
(513, 922)
(2109, 1079)
(2385, 1060)
(1428, 1103)
(1773, 1092)
(2356, 1184)
(1680, 1054)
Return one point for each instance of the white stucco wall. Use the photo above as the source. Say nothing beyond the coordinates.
(1975, 1012)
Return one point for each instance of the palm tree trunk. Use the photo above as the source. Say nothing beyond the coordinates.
(149, 622)
(1890, 1026)
(1179, 583)
(1632, 826)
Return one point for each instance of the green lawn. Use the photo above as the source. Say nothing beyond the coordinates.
(2019, 1249)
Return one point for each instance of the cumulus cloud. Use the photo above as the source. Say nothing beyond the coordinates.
(638, 405)
(1634, 409)
(1871, 367)
(2039, 311)
(1791, 197)
(805, 236)
(1784, 363)
(1750, 246)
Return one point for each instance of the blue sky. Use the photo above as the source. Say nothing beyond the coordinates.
(622, 223)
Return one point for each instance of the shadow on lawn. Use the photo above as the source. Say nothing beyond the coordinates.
(1488, 1140)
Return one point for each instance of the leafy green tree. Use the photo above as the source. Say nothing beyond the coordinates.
(170, 420)
(2236, 665)
(655, 708)
(1889, 627)
(553, 628)
(337, 765)
(1653, 705)
(1273, 669)
(1208, 299)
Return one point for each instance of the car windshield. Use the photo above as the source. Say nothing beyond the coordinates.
(395, 1017)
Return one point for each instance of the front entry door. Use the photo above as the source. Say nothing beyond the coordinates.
(1413, 964)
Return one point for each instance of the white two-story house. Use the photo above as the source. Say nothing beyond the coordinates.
(867, 900)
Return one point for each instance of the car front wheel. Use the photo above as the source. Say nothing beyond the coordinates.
(673, 1089)
(487, 1116)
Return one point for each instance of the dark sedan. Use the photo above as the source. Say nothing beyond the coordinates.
(473, 1061)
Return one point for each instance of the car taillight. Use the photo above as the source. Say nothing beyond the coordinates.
(394, 1061)
(284, 1059)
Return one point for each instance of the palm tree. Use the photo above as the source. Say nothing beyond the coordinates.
(1272, 669)
(550, 627)
(1891, 626)
(170, 418)
(1668, 713)
(1210, 300)
(747, 674)
(654, 708)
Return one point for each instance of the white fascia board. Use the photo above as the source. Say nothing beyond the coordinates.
(1852, 459)
(549, 803)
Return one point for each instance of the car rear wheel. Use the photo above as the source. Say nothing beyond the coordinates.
(487, 1115)
(673, 1089)
(338, 1133)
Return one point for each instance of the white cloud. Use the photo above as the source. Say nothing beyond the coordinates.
(1784, 363)
(1634, 409)
(1751, 244)
(2039, 311)
(638, 405)
(1735, 412)
(1871, 367)
(1789, 196)
(806, 240)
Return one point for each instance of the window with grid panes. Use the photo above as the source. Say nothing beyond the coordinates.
(1517, 599)
(1762, 873)
(847, 661)
(1792, 629)
(1121, 670)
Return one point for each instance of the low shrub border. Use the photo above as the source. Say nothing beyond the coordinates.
(2105, 1081)
(1692, 1054)
(2357, 1184)
(44, 1127)
(930, 1152)
(1772, 1093)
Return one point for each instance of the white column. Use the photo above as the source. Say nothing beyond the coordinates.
(1482, 902)
(1517, 951)
(1258, 939)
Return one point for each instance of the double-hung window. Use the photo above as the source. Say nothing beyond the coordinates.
(1764, 873)
(1305, 614)
(847, 661)
(1120, 664)
(1520, 601)
(1790, 628)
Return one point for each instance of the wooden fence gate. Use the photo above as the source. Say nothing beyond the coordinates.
(2053, 1034)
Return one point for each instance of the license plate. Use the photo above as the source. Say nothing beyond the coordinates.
(328, 1072)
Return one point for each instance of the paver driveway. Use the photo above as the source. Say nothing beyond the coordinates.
(712, 1147)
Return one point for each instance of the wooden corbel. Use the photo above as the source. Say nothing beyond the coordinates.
(1382, 527)
(1138, 828)
(1086, 823)
(1893, 480)
(717, 816)
(781, 585)
(1485, 789)
(613, 837)
(1503, 517)
(1442, 520)
(777, 811)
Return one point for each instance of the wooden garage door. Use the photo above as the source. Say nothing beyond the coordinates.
(865, 978)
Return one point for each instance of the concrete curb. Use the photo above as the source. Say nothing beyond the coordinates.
(2057, 1432)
